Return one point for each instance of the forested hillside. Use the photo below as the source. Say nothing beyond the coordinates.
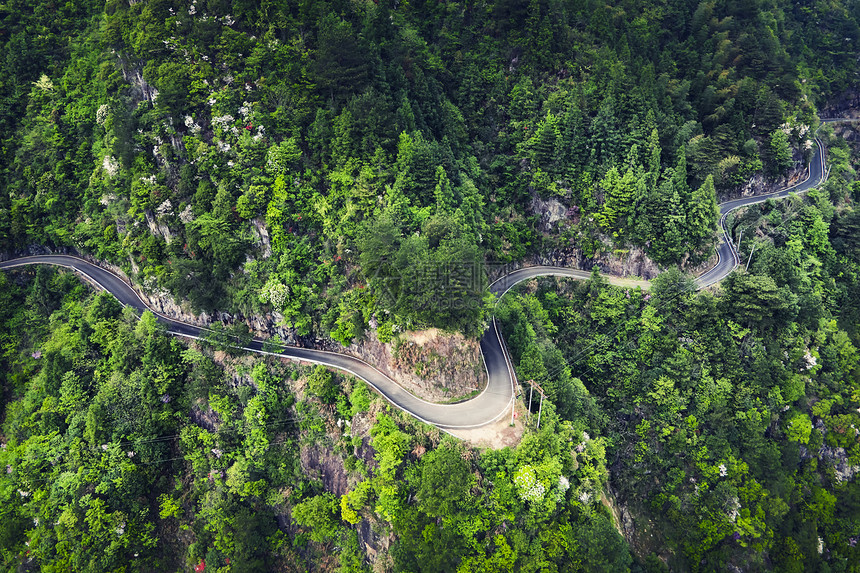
(732, 420)
(354, 169)
(254, 157)
(122, 449)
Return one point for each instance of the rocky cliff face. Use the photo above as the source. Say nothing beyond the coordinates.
(835, 457)
(846, 104)
(758, 184)
(627, 262)
(434, 366)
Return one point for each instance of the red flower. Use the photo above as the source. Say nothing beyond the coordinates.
(200, 566)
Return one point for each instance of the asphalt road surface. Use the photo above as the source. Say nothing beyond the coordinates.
(725, 249)
(498, 397)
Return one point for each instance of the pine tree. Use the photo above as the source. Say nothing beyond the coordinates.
(444, 193)
(780, 152)
(610, 183)
(545, 143)
(679, 178)
(606, 138)
(703, 214)
(574, 138)
(653, 158)
(343, 143)
(620, 195)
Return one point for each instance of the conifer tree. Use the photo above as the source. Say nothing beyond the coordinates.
(703, 214)
(545, 143)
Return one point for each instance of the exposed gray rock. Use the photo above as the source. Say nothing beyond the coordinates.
(846, 104)
(157, 228)
(261, 236)
(550, 211)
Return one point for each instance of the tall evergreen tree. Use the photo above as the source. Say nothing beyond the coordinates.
(703, 214)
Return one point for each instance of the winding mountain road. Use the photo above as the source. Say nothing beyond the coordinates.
(497, 398)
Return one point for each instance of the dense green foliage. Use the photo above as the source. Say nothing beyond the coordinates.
(105, 470)
(101, 460)
(348, 164)
(247, 156)
(730, 417)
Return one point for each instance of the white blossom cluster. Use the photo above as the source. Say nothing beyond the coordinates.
(164, 208)
(563, 486)
(260, 133)
(110, 165)
(733, 506)
(799, 129)
(723, 470)
(223, 121)
(563, 483)
(275, 293)
(528, 486)
(245, 111)
(190, 124)
(102, 114)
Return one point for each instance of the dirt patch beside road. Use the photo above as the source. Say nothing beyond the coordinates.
(498, 434)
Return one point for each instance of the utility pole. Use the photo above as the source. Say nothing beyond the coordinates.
(531, 393)
(534, 385)
(750, 259)
(540, 409)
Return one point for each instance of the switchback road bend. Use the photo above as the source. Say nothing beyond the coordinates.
(498, 397)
